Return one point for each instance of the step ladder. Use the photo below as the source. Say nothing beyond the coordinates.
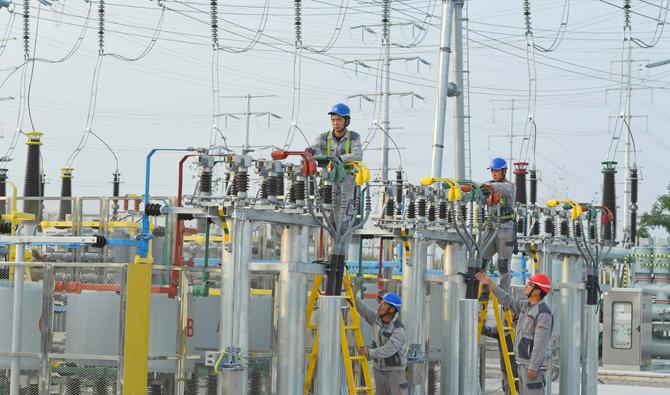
(504, 329)
(352, 324)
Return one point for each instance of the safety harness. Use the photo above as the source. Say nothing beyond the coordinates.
(347, 143)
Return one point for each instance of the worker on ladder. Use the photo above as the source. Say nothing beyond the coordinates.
(533, 330)
(343, 145)
(505, 241)
(387, 350)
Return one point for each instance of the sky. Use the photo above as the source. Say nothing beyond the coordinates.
(165, 98)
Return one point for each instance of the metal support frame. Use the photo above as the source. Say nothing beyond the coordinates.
(570, 325)
(290, 305)
(414, 314)
(47, 329)
(329, 365)
(235, 299)
(468, 369)
(180, 376)
(17, 317)
(453, 290)
(591, 329)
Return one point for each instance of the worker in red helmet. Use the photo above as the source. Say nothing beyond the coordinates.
(533, 330)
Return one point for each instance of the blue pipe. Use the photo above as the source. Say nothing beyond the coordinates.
(143, 248)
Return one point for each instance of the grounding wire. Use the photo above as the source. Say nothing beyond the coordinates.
(152, 43)
(560, 33)
(660, 25)
(116, 159)
(257, 34)
(341, 16)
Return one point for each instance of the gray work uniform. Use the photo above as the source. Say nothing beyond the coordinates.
(533, 334)
(348, 149)
(387, 351)
(506, 237)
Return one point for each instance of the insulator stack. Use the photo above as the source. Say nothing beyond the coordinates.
(520, 171)
(450, 216)
(205, 184)
(272, 185)
(431, 213)
(593, 235)
(116, 182)
(3, 190)
(442, 212)
(535, 229)
(578, 229)
(264, 189)
(299, 189)
(422, 208)
(398, 190)
(564, 229)
(549, 226)
(633, 204)
(390, 207)
(32, 180)
(280, 185)
(609, 197)
(241, 182)
(65, 193)
(533, 186)
(368, 203)
(26, 29)
(411, 210)
(326, 193)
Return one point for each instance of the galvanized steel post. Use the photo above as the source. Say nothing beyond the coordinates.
(235, 299)
(570, 321)
(455, 262)
(468, 369)
(414, 312)
(329, 363)
(291, 306)
(17, 316)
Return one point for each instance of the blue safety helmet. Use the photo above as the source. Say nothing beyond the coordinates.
(340, 109)
(498, 164)
(393, 299)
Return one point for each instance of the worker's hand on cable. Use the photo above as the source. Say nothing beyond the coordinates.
(363, 351)
(485, 279)
(532, 374)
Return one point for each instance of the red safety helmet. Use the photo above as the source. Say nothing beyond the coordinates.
(542, 281)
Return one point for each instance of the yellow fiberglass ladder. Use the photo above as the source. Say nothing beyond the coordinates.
(350, 325)
(504, 329)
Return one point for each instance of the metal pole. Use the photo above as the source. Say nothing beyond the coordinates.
(329, 362)
(442, 86)
(570, 329)
(246, 134)
(386, 69)
(590, 369)
(511, 134)
(454, 290)
(626, 126)
(235, 298)
(180, 376)
(17, 316)
(468, 370)
(292, 303)
(47, 329)
(414, 312)
(459, 105)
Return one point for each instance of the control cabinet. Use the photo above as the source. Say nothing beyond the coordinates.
(627, 329)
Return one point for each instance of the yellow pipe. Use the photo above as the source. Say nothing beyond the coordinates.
(136, 347)
(576, 210)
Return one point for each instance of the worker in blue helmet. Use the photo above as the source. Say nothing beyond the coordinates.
(505, 241)
(387, 350)
(341, 145)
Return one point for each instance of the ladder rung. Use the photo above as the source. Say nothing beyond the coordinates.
(312, 326)
(350, 327)
(358, 358)
(362, 389)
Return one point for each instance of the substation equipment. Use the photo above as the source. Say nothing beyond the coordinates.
(206, 293)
